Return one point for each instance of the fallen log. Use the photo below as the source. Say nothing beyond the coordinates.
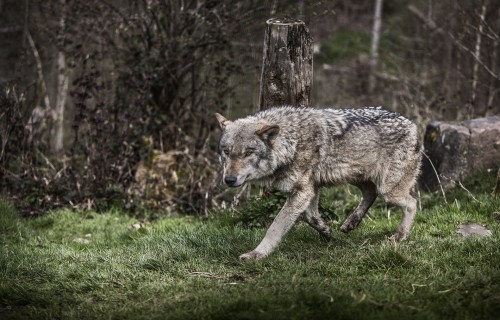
(457, 150)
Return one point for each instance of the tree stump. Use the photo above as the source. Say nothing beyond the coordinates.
(458, 150)
(287, 65)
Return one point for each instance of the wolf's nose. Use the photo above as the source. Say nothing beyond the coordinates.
(230, 180)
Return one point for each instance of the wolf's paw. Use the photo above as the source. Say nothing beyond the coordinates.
(349, 225)
(252, 255)
(326, 235)
(398, 236)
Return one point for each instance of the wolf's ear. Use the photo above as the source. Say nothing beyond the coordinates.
(223, 122)
(268, 132)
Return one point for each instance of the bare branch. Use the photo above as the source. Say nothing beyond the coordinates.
(491, 33)
(437, 176)
(433, 26)
(39, 69)
(481, 63)
(477, 53)
(11, 29)
(427, 20)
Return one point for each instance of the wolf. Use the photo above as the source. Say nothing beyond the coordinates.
(300, 150)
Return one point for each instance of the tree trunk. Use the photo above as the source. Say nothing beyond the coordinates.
(62, 84)
(287, 65)
(377, 21)
(475, 68)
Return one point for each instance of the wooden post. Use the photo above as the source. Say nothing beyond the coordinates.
(287, 64)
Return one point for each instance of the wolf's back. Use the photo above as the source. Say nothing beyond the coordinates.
(338, 122)
(345, 145)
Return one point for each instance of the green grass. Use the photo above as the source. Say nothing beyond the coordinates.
(344, 44)
(185, 268)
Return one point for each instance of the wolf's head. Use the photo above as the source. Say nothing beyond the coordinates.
(245, 148)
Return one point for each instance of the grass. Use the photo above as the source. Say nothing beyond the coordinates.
(344, 44)
(84, 265)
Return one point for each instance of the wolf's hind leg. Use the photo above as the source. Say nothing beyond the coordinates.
(409, 206)
(397, 189)
(313, 218)
(369, 191)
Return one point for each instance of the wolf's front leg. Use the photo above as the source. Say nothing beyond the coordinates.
(297, 202)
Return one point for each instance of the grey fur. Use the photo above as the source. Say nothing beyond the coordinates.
(299, 150)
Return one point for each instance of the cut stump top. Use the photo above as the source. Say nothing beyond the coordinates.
(285, 21)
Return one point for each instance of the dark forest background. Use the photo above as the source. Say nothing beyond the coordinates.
(110, 102)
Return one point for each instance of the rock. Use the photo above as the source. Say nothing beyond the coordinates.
(458, 150)
(85, 240)
(474, 229)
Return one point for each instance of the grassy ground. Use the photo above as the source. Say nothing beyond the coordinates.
(84, 265)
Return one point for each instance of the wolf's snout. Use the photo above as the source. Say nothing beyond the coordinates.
(230, 180)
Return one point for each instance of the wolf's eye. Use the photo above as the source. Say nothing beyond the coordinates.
(248, 153)
(226, 152)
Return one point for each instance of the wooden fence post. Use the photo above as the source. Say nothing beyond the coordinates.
(287, 67)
